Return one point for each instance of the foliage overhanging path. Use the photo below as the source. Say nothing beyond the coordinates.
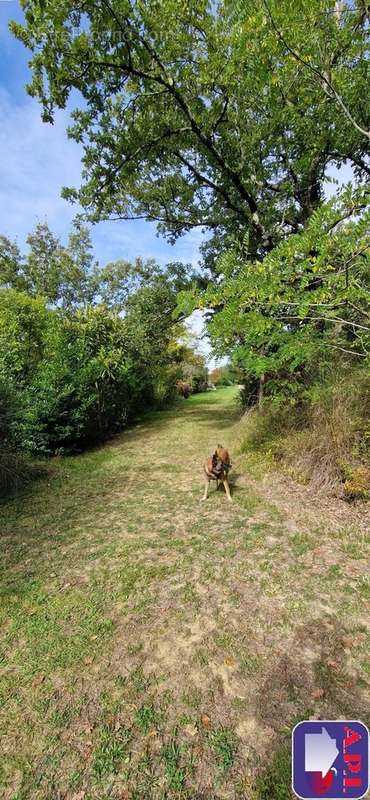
(161, 647)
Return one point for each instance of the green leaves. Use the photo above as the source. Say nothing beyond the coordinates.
(79, 371)
(195, 116)
(305, 303)
(62, 275)
(226, 118)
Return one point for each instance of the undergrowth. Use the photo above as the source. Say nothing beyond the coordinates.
(322, 439)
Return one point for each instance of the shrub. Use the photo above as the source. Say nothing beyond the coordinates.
(84, 387)
(164, 385)
(249, 392)
(23, 324)
(82, 374)
(15, 471)
(184, 389)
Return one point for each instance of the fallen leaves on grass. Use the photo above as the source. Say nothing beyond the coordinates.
(39, 679)
(348, 643)
(317, 694)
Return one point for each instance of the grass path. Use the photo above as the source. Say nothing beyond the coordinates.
(153, 646)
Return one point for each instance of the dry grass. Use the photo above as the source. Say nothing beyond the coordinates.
(320, 441)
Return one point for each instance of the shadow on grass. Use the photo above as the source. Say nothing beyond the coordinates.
(19, 474)
(274, 782)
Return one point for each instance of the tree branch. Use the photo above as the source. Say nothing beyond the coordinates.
(323, 78)
(222, 115)
(343, 350)
(327, 319)
(153, 218)
(203, 179)
(206, 141)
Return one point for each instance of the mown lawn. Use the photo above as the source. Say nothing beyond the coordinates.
(153, 646)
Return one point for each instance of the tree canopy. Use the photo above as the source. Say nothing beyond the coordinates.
(221, 116)
(307, 301)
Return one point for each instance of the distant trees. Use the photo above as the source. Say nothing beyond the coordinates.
(194, 372)
(62, 275)
(226, 375)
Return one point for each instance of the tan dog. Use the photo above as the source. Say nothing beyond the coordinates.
(216, 469)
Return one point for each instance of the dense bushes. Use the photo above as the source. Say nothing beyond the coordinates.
(74, 369)
(73, 373)
(83, 387)
(75, 378)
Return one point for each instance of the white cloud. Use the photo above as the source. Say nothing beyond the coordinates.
(36, 161)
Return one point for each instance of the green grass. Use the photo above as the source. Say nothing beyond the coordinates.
(145, 717)
(249, 664)
(175, 773)
(363, 586)
(138, 625)
(274, 782)
(223, 744)
(111, 750)
(301, 543)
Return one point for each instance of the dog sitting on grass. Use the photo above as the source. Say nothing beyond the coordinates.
(216, 468)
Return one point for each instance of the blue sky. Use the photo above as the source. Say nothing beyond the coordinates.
(37, 159)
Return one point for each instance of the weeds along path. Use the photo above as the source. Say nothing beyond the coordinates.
(153, 646)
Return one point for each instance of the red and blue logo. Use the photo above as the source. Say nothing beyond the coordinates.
(330, 759)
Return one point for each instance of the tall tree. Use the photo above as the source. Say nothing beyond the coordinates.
(44, 262)
(11, 266)
(307, 304)
(78, 277)
(223, 117)
(117, 280)
(65, 276)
